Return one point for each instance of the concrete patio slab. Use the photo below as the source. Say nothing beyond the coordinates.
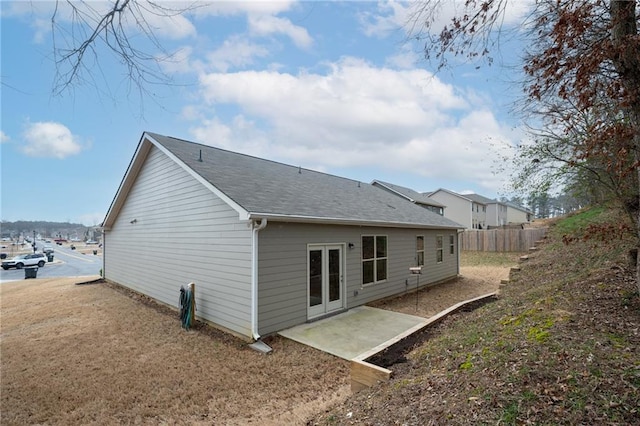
(354, 332)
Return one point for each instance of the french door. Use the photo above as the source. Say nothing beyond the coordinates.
(324, 279)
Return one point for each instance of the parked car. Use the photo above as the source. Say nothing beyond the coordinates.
(19, 262)
(47, 249)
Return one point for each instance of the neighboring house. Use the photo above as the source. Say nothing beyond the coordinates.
(517, 214)
(268, 245)
(495, 211)
(411, 195)
(460, 208)
(501, 213)
(475, 211)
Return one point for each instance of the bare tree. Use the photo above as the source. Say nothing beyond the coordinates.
(85, 32)
(582, 53)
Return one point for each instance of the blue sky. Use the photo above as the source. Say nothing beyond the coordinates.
(331, 86)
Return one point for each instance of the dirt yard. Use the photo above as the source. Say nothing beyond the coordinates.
(96, 354)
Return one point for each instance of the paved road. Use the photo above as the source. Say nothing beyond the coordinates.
(67, 263)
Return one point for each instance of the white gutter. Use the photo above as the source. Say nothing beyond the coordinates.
(254, 276)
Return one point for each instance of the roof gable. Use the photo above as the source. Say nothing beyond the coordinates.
(446, 191)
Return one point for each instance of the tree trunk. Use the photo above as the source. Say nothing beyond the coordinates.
(626, 51)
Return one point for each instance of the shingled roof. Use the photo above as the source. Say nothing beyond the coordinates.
(408, 193)
(261, 188)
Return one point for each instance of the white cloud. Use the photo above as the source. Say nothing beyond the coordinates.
(389, 17)
(4, 137)
(162, 18)
(49, 139)
(170, 26)
(235, 52)
(263, 25)
(355, 116)
(180, 62)
(406, 59)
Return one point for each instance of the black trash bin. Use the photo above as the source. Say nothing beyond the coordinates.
(95, 252)
(31, 272)
(50, 257)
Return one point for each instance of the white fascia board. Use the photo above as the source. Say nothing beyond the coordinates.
(454, 194)
(341, 221)
(142, 150)
(242, 213)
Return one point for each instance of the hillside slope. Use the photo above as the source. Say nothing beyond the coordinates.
(559, 346)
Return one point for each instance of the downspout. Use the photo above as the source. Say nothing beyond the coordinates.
(104, 257)
(460, 232)
(254, 276)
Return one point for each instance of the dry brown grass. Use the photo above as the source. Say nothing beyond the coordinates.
(92, 355)
(97, 354)
(561, 345)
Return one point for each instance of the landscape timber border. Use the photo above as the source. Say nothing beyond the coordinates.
(365, 374)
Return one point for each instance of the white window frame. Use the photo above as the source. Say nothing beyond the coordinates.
(419, 251)
(375, 259)
(439, 248)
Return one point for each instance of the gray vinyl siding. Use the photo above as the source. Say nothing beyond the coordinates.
(458, 209)
(182, 233)
(282, 259)
(516, 215)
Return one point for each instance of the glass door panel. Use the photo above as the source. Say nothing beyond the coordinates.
(315, 278)
(325, 280)
(334, 275)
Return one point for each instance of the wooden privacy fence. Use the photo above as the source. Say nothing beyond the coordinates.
(517, 240)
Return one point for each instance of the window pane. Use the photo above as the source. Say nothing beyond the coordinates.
(381, 246)
(367, 272)
(421, 258)
(367, 248)
(439, 241)
(439, 256)
(381, 270)
(420, 243)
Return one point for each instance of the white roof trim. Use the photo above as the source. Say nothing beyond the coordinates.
(342, 221)
(454, 193)
(142, 150)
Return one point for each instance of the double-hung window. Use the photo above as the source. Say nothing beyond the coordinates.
(439, 249)
(374, 258)
(452, 244)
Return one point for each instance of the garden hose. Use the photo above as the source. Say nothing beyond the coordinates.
(186, 307)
